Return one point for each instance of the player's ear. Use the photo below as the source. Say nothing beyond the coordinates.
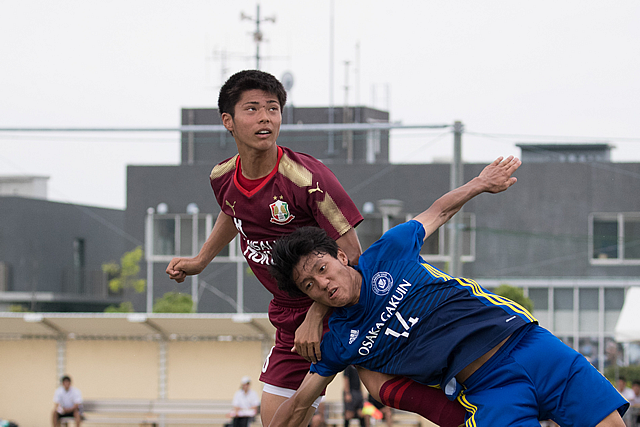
(342, 257)
(227, 121)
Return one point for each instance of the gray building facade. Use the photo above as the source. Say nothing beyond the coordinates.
(568, 233)
(51, 254)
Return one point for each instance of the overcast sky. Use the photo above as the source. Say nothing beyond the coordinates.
(511, 71)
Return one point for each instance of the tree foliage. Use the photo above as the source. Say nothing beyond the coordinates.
(124, 307)
(173, 302)
(18, 308)
(630, 373)
(125, 274)
(515, 294)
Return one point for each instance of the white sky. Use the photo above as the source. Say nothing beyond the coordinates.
(568, 69)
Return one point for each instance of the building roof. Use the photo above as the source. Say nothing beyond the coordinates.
(140, 326)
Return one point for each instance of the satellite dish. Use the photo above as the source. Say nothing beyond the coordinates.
(287, 81)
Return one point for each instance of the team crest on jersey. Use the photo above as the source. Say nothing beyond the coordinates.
(353, 336)
(381, 283)
(280, 213)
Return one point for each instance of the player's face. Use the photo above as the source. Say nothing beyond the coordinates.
(328, 280)
(256, 121)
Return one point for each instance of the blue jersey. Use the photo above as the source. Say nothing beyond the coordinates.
(414, 320)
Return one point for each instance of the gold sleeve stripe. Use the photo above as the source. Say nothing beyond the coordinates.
(332, 212)
(298, 174)
(223, 168)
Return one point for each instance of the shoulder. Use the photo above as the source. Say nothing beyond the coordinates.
(296, 167)
(403, 239)
(223, 168)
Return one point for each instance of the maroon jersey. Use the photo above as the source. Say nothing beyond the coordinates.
(300, 191)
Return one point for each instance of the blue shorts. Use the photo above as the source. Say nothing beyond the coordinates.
(535, 376)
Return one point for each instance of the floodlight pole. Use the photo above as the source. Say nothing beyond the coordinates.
(455, 224)
(148, 251)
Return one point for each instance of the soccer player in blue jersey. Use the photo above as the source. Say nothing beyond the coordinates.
(265, 191)
(398, 315)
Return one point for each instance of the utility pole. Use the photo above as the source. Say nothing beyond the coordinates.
(455, 224)
(331, 142)
(347, 136)
(257, 35)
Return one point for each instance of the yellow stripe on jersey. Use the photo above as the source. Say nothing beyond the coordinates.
(477, 290)
(436, 273)
(471, 422)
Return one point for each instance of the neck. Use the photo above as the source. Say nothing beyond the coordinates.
(356, 282)
(257, 165)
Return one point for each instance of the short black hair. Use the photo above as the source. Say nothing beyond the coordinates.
(65, 378)
(288, 251)
(243, 81)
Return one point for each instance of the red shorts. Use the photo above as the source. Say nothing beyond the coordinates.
(282, 367)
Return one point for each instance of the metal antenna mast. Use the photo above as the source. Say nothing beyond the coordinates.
(257, 35)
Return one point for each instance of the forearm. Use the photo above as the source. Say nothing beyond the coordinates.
(293, 411)
(289, 415)
(448, 205)
(317, 312)
(221, 235)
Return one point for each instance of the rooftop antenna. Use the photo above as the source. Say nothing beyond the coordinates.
(257, 34)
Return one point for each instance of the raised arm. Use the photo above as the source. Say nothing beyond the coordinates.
(292, 412)
(223, 232)
(494, 178)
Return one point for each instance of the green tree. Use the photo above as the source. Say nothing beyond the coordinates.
(124, 307)
(173, 302)
(514, 294)
(125, 274)
(631, 373)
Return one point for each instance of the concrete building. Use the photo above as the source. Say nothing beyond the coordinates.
(51, 254)
(568, 233)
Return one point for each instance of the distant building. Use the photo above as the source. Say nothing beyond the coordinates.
(567, 233)
(24, 186)
(51, 254)
(565, 153)
(342, 147)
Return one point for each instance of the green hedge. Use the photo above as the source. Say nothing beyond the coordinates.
(631, 373)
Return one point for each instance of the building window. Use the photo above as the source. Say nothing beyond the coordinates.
(614, 238)
(563, 311)
(588, 312)
(164, 236)
(181, 235)
(78, 265)
(436, 247)
(373, 145)
(613, 302)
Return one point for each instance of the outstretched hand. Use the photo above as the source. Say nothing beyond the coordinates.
(497, 177)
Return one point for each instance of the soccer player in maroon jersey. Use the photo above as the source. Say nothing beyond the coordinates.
(267, 191)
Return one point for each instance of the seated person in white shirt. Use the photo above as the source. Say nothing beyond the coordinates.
(245, 404)
(67, 403)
